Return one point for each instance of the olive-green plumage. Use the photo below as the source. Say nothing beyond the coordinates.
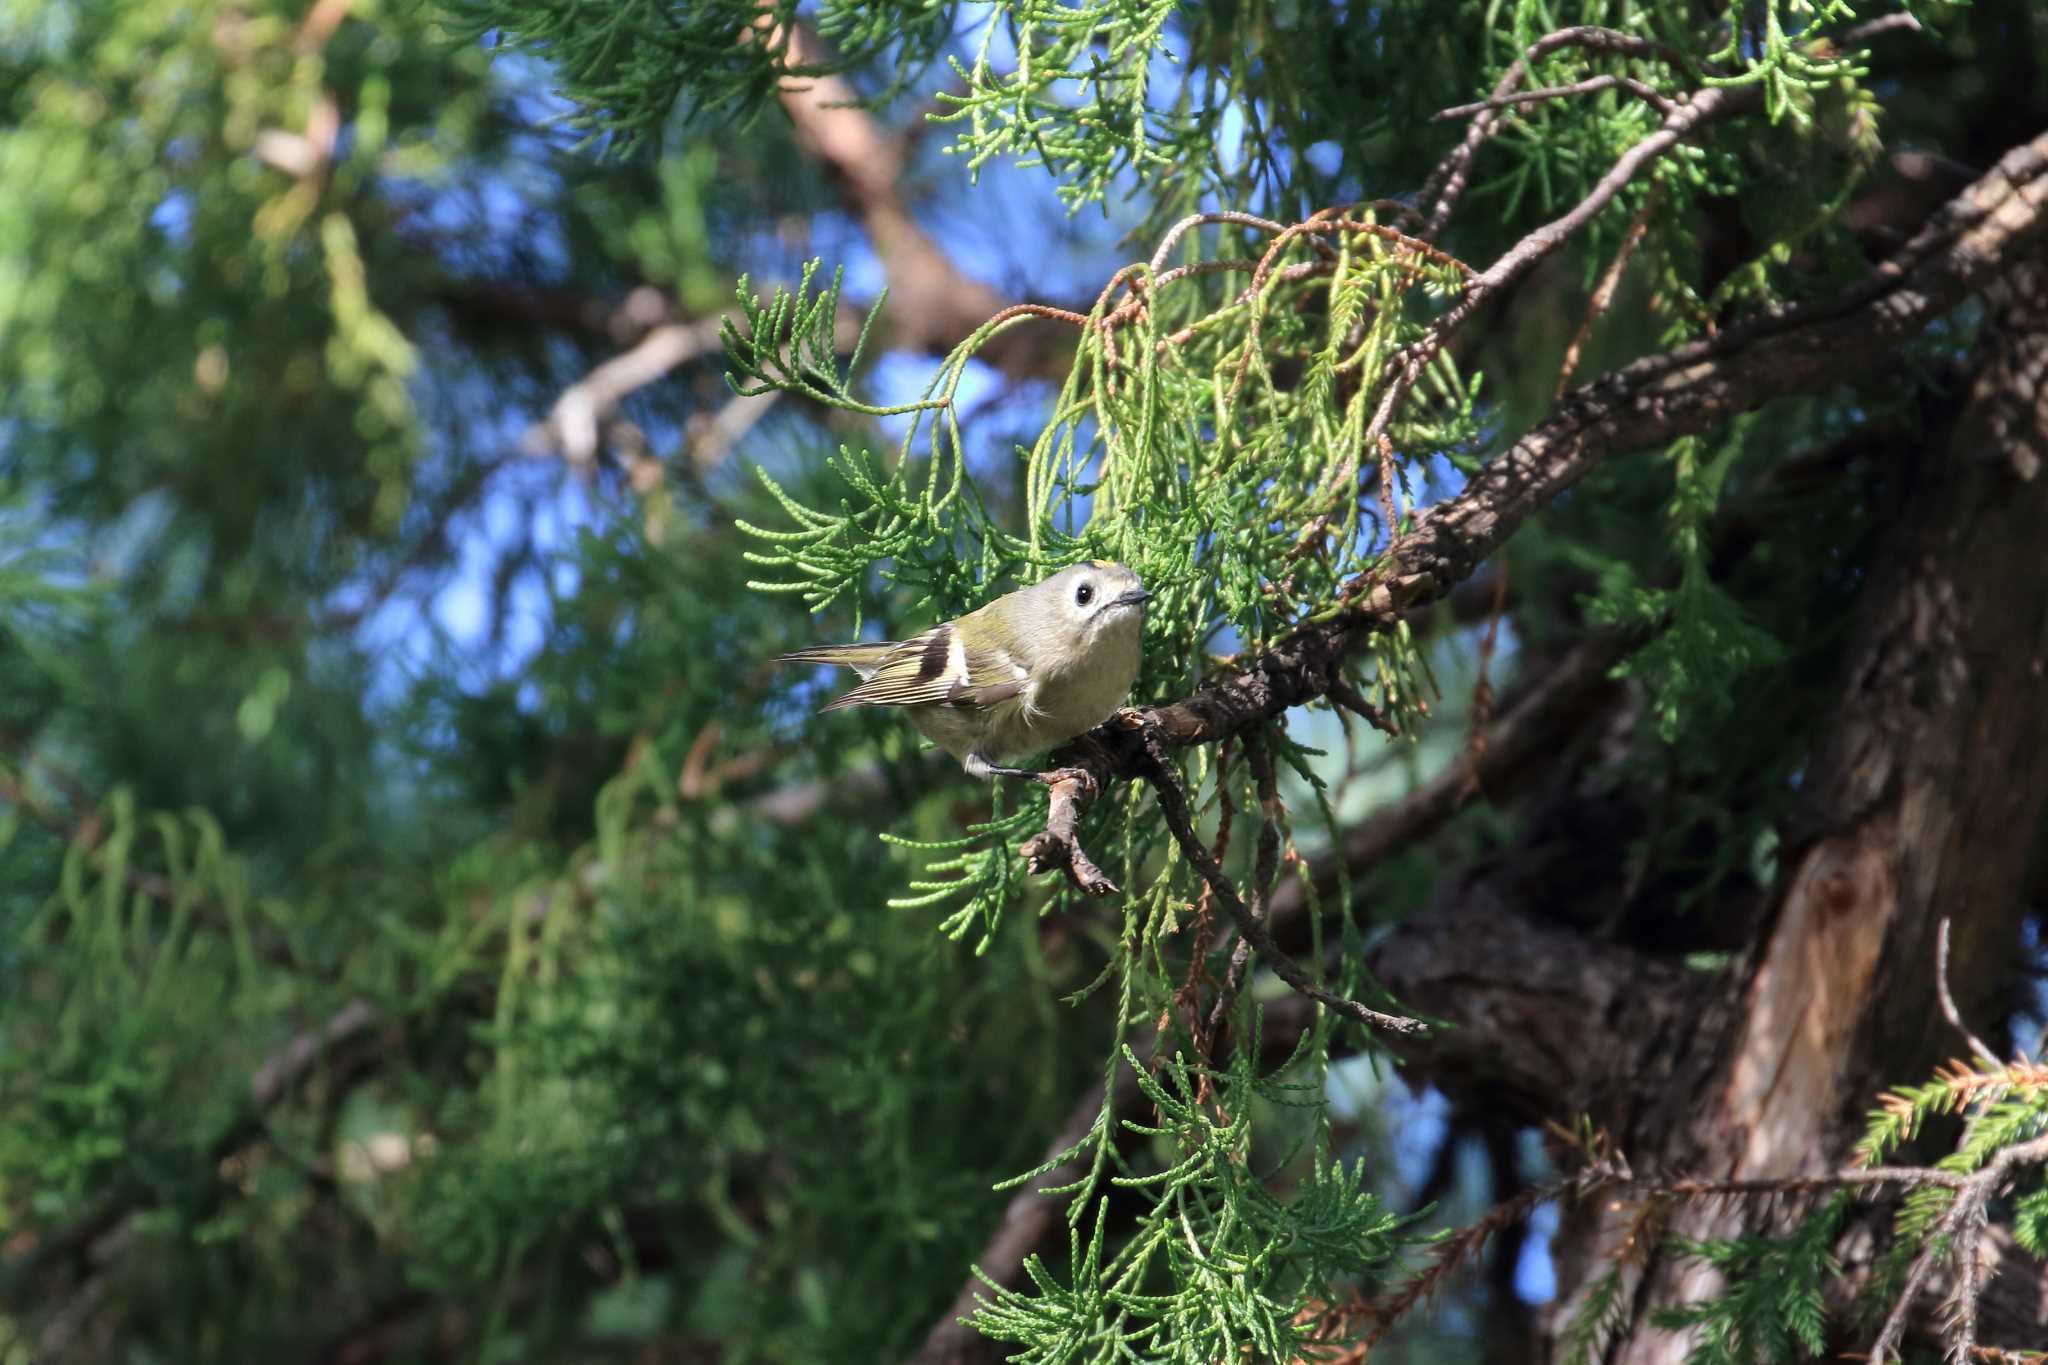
(1017, 676)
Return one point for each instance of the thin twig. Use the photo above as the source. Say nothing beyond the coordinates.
(1948, 1001)
(1856, 35)
(1260, 759)
(1604, 292)
(1173, 806)
(1195, 220)
(1189, 996)
(1972, 1191)
(1346, 696)
(1962, 1330)
(1591, 85)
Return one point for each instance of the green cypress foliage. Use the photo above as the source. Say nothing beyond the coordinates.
(381, 980)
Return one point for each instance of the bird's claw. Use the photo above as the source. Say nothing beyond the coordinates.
(1080, 776)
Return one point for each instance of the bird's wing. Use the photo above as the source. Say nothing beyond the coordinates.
(935, 668)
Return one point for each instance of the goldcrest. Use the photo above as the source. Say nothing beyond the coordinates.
(1031, 669)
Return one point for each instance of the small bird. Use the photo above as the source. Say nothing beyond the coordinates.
(1027, 671)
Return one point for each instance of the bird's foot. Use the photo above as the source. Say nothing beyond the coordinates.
(1058, 848)
(979, 767)
(1080, 777)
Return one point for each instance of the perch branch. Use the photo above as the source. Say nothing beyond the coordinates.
(1691, 389)
(1059, 847)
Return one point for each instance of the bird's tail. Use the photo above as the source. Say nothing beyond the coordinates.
(863, 658)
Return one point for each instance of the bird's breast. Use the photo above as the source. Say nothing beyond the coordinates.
(1082, 698)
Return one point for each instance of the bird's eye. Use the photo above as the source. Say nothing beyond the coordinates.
(1084, 594)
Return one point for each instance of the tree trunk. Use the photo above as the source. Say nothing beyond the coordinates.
(1922, 802)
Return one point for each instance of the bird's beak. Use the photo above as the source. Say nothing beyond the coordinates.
(1136, 597)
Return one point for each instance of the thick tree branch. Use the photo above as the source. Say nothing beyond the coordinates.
(933, 304)
(1686, 391)
(1683, 392)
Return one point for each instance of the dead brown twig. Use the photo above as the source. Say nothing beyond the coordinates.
(1058, 846)
(1604, 292)
(1189, 997)
(1173, 806)
(1265, 868)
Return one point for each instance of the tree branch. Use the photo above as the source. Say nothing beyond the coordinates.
(1173, 806)
(573, 424)
(1265, 867)
(1592, 85)
(1689, 390)
(934, 305)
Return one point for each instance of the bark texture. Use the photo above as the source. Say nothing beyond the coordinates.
(1924, 801)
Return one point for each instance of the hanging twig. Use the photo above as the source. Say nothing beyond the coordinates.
(1948, 1001)
(1267, 865)
(1173, 806)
